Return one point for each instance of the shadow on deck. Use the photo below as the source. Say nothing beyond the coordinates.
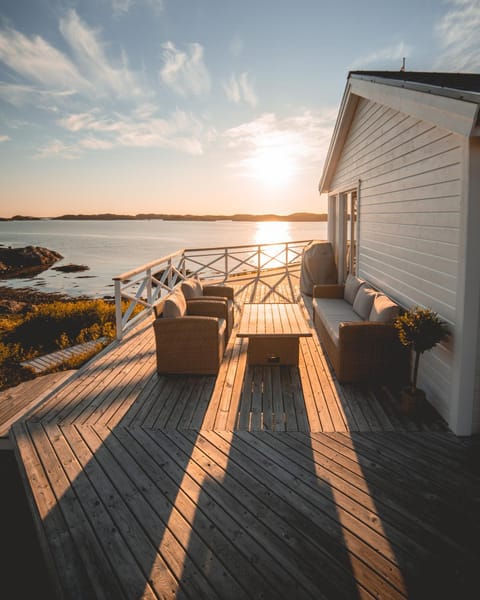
(180, 487)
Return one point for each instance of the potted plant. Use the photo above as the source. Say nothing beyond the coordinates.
(420, 329)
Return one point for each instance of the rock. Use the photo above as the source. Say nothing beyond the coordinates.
(71, 268)
(11, 307)
(21, 262)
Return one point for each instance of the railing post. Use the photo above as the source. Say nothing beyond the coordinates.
(226, 264)
(286, 255)
(149, 285)
(118, 309)
(259, 262)
(169, 278)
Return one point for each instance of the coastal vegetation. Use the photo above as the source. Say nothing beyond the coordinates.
(49, 326)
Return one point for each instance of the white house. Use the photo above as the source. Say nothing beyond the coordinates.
(402, 176)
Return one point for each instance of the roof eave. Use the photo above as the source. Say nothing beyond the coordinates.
(342, 125)
(454, 112)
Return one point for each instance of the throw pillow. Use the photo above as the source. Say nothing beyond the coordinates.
(383, 310)
(175, 305)
(191, 288)
(363, 302)
(352, 285)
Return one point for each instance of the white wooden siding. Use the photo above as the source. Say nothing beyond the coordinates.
(409, 231)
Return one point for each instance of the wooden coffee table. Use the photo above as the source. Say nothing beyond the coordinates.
(273, 332)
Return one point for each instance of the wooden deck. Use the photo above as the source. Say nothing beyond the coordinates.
(264, 482)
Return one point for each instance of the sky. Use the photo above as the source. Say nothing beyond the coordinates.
(196, 106)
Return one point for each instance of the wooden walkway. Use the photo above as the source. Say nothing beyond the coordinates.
(40, 364)
(264, 482)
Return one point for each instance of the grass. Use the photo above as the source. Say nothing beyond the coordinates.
(47, 327)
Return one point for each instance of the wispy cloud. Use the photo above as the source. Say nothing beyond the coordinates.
(46, 70)
(384, 58)
(4, 138)
(37, 61)
(20, 95)
(58, 149)
(180, 131)
(300, 141)
(185, 72)
(240, 89)
(121, 7)
(71, 83)
(458, 33)
(90, 56)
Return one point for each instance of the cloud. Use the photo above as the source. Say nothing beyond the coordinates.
(4, 138)
(299, 142)
(388, 57)
(240, 89)
(121, 7)
(89, 53)
(46, 70)
(180, 131)
(185, 72)
(20, 95)
(37, 61)
(58, 149)
(458, 33)
(71, 84)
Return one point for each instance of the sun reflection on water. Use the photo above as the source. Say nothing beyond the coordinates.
(272, 232)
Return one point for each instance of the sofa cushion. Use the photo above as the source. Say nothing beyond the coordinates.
(333, 307)
(383, 310)
(175, 305)
(352, 285)
(191, 288)
(363, 302)
(332, 312)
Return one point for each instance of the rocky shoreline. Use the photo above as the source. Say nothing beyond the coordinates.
(18, 300)
(22, 262)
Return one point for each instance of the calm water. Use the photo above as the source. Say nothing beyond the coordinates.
(110, 248)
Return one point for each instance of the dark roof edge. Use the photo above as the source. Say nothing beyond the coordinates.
(435, 90)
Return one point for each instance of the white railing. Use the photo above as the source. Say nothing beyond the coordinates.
(144, 286)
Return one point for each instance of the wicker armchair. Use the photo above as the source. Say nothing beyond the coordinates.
(189, 339)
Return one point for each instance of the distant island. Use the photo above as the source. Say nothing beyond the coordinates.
(298, 216)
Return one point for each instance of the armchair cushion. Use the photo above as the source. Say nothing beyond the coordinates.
(223, 291)
(191, 288)
(175, 305)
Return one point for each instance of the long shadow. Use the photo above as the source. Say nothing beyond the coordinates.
(141, 512)
(274, 522)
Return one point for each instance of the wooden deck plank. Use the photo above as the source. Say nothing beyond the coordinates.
(17, 402)
(160, 554)
(61, 555)
(185, 482)
(174, 473)
(318, 524)
(73, 501)
(280, 566)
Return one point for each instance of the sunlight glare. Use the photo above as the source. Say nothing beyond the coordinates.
(272, 232)
(273, 166)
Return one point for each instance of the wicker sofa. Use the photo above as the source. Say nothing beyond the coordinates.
(355, 325)
(191, 335)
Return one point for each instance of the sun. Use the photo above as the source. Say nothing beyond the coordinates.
(272, 166)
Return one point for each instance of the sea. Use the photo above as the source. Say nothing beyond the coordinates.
(110, 248)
